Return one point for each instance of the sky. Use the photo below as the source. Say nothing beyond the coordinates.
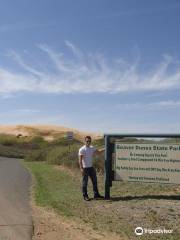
(94, 65)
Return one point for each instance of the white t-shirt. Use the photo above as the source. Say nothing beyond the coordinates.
(87, 153)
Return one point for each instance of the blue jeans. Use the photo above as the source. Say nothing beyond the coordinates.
(89, 172)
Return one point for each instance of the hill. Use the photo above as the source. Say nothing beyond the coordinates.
(48, 132)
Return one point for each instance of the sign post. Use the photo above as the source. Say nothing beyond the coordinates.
(69, 136)
(107, 167)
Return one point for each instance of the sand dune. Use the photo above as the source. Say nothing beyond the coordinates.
(47, 131)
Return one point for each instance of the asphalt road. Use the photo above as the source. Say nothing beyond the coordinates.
(15, 211)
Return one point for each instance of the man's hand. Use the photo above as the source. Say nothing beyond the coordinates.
(101, 150)
(81, 165)
(82, 171)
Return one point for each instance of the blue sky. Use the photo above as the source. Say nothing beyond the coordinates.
(103, 66)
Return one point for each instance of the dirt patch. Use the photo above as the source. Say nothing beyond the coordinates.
(50, 226)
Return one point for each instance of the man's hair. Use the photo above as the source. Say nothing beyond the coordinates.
(87, 137)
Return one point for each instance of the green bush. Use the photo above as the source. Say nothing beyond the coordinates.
(98, 163)
(36, 155)
(9, 140)
(58, 152)
(38, 142)
(62, 141)
(99, 142)
(61, 155)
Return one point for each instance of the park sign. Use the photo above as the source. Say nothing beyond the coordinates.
(155, 163)
(152, 158)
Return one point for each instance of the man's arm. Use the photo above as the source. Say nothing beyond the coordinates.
(80, 163)
(99, 151)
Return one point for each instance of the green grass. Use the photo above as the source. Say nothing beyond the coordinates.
(56, 188)
(60, 190)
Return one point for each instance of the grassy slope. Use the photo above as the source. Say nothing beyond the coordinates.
(132, 205)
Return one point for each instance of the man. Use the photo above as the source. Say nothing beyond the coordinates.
(86, 153)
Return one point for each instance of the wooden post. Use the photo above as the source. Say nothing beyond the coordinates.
(107, 167)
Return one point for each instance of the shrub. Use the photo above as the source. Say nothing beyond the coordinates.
(8, 140)
(36, 155)
(58, 152)
(98, 163)
(38, 142)
(62, 156)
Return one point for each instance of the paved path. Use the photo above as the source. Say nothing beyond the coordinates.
(15, 212)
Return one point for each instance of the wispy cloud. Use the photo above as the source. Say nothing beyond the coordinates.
(16, 57)
(26, 111)
(29, 116)
(21, 26)
(86, 73)
(152, 128)
(142, 12)
(169, 104)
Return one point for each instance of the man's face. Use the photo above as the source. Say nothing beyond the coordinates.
(88, 142)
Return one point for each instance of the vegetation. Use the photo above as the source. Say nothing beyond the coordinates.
(132, 204)
(35, 148)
